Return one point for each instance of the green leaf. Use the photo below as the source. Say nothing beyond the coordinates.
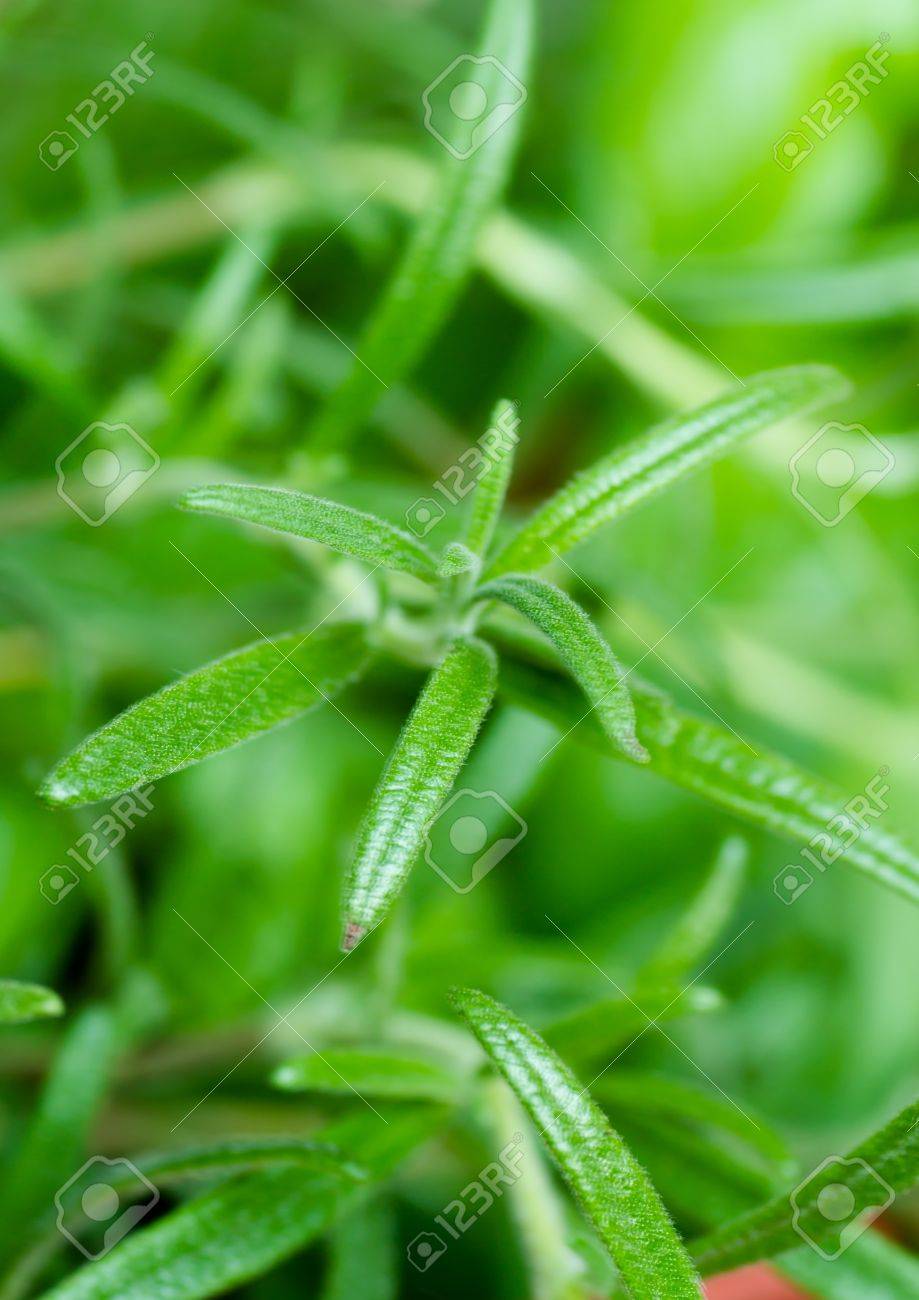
(872, 1268)
(54, 1142)
(363, 1257)
(352, 532)
(371, 1072)
(582, 650)
(612, 1188)
(22, 1002)
(242, 1228)
(237, 1155)
(424, 763)
(491, 488)
(604, 1028)
(457, 560)
(439, 254)
(656, 1095)
(762, 787)
(229, 700)
(703, 920)
(632, 474)
(885, 1164)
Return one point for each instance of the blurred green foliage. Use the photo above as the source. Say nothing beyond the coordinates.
(645, 159)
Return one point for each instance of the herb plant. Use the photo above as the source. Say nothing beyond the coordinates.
(260, 1038)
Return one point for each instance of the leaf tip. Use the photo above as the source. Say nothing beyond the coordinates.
(57, 792)
(352, 934)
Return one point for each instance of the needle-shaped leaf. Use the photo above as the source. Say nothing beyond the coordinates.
(476, 163)
(611, 1186)
(363, 1255)
(703, 919)
(241, 1229)
(424, 763)
(227, 701)
(760, 786)
(631, 474)
(863, 1182)
(22, 1002)
(370, 1072)
(607, 1027)
(491, 488)
(658, 1095)
(871, 1268)
(352, 532)
(582, 650)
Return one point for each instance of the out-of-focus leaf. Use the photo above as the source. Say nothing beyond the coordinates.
(22, 1002)
(581, 648)
(764, 788)
(872, 1268)
(611, 1186)
(883, 1165)
(703, 919)
(227, 701)
(363, 1255)
(631, 474)
(491, 488)
(657, 1095)
(372, 1073)
(426, 758)
(241, 1229)
(352, 532)
(54, 1144)
(240, 1154)
(441, 248)
(606, 1027)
